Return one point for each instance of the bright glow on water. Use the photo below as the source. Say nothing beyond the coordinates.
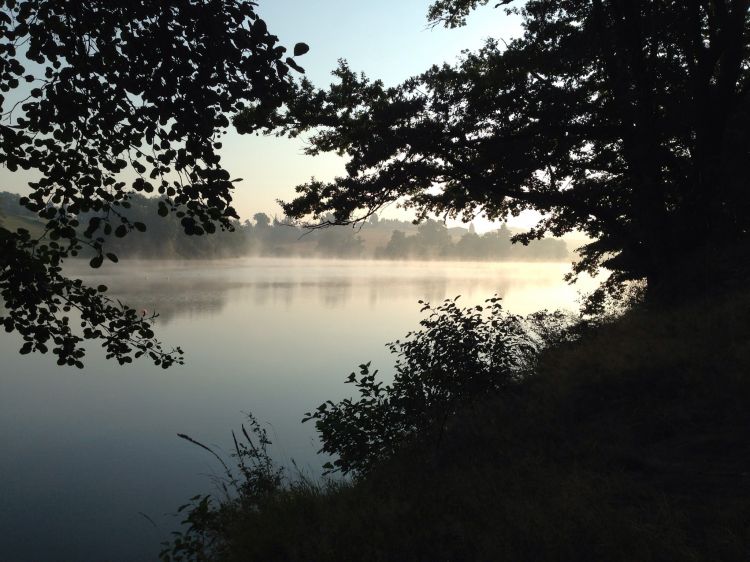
(85, 453)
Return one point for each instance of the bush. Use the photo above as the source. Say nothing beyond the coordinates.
(459, 356)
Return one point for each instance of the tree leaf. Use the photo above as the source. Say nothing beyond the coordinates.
(294, 65)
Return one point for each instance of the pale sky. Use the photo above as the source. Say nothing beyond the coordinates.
(388, 40)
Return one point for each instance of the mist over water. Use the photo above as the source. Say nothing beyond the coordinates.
(186, 288)
(92, 456)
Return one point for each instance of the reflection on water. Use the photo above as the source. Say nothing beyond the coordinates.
(86, 452)
(197, 289)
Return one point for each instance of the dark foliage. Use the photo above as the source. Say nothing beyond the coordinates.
(625, 119)
(39, 299)
(459, 356)
(95, 93)
(165, 237)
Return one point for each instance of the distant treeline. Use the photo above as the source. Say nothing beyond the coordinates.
(266, 236)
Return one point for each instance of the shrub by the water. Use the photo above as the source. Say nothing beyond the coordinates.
(458, 356)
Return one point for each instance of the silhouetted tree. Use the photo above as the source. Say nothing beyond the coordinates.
(626, 119)
(94, 94)
(470, 246)
(399, 246)
(432, 239)
(262, 220)
(339, 242)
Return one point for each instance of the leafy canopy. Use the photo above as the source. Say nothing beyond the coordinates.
(103, 99)
(628, 120)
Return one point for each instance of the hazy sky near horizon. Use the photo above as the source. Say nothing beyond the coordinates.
(388, 40)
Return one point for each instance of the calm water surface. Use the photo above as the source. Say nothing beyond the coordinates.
(90, 465)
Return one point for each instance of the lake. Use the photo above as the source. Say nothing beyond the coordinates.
(91, 467)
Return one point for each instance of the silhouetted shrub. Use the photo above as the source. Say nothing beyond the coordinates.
(459, 355)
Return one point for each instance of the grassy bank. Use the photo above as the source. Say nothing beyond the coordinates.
(632, 443)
